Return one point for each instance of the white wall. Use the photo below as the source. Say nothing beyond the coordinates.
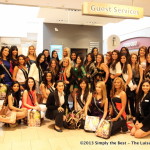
(18, 21)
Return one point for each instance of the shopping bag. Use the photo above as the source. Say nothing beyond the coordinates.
(3, 90)
(8, 117)
(34, 118)
(91, 123)
(73, 120)
(104, 129)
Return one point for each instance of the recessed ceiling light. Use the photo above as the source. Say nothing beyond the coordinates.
(56, 29)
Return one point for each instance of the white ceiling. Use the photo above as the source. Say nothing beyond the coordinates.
(69, 11)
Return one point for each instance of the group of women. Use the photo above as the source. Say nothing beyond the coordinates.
(117, 85)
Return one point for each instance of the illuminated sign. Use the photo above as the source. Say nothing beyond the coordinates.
(131, 44)
(112, 10)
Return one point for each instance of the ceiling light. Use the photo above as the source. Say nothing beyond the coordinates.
(56, 29)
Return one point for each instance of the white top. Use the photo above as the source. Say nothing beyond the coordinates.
(61, 98)
(34, 72)
(20, 76)
(125, 77)
(117, 69)
(143, 64)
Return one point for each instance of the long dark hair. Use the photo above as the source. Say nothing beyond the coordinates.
(124, 66)
(56, 92)
(46, 58)
(113, 64)
(57, 66)
(141, 93)
(145, 49)
(12, 48)
(93, 50)
(148, 50)
(2, 49)
(23, 58)
(147, 66)
(86, 92)
(16, 95)
(27, 86)
(45, 80)
(76, 56)
(38, 59)
(102, 61)
(79, 67)
(57, 55)
(92, 57)
(127, 50)
(110, 61)
(86, 61)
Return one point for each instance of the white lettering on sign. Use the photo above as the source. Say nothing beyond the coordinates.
(130, 44)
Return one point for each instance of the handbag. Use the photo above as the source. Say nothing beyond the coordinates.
(3, 90)
(34, 118)
(104, 129)
(73, 120)
(6, 115)
(91, 123)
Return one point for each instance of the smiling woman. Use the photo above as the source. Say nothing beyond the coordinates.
(142, 122)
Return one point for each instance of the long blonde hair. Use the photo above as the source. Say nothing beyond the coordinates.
(113, 90)
(68, 68)
(68, 51)
(34, 54)
(103, 91)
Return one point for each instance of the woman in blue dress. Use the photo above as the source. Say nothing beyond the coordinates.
(5, 74)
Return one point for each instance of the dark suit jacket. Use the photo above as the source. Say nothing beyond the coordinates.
(145, 108)
(51, 104)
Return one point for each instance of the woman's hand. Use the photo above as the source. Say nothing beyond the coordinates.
(66, 82)
(112, 76)
(114, 119)
(60, 109)
(2, 76)
(37, 108)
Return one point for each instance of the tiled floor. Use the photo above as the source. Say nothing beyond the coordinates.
(46, 138)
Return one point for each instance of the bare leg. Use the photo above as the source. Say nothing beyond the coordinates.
(140, 133)
(21, 114)
(133, 131)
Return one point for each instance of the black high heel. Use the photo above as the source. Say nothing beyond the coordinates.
(58, 130)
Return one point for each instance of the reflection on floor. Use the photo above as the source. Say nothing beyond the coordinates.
(46, 138)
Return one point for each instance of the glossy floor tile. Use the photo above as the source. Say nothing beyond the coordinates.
(46, 138)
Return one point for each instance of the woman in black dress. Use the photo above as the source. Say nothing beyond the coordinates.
(142, 123)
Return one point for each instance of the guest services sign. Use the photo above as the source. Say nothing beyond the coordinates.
(112, 10)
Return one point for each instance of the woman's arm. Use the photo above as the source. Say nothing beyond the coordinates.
(118, 71)
(123, 101)
(141, 78)
(129, 74)
(105, 68)
(15, 73)
(10, 104)
(43, 90)
(50, 104)
(75, 102)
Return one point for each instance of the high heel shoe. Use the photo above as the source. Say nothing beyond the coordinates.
(58, 130)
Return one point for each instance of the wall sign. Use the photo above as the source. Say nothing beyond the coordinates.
(112, 10)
